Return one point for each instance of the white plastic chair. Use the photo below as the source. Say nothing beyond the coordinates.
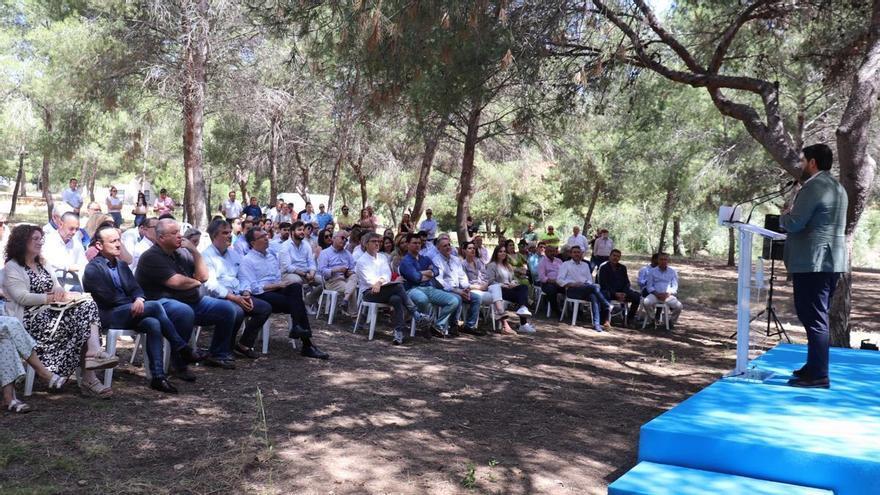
(267, 330)
(664, 315)
(328, 305)
(31, 375)
(576, 304)
(539, 294)
(113, 335)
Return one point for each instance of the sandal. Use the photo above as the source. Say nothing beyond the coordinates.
(101, 361)
(19, 407)
(95, 389)
(56, 382)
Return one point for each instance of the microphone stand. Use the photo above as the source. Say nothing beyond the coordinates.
(773, 195)
(768, 197)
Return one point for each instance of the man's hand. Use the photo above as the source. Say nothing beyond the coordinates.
(247, 303)
(310, 276)
(465, 294)
(376, 287)
(137, 308)
(188, 245)
(339, 269)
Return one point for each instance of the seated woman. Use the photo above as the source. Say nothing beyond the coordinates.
(15, 345)
(500, 272)
(519, 263)
(61, 332)
(476, 272)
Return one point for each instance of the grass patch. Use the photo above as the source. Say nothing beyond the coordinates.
(11, 451)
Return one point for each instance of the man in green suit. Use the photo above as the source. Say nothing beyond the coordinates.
(815, 256)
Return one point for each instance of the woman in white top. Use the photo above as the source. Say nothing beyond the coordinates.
(499, 271)
(476, 272)
(114, 207)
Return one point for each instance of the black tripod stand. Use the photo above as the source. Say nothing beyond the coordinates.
(770, 310)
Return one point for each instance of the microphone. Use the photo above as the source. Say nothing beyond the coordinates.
(774, 195)
(768, 196)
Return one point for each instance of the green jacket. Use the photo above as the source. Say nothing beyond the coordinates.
(815, 225)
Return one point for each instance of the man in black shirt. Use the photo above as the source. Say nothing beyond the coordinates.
(614, 282)
(173, 269)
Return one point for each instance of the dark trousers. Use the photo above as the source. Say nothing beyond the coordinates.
(812, 296)
(154, 324)
(518, 295)
(256, 317)
(289, 301)
(551, 293)
(183, 318)
(598, 303)
(632, 297)
(396, 296)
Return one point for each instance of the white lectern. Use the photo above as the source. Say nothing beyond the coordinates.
(743, 292)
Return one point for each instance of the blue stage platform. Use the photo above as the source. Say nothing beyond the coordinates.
(821, 438)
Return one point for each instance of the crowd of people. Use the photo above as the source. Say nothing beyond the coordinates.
(65, 284)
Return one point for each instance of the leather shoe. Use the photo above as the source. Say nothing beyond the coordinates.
(226, 364)
(806, 382)
(312, 351)
(184, 374)
(245, 351)
(191, 355)
(472, 331)
(800, 373)
(162, 385)
(435, 332)
(452, 332)
(298, 333)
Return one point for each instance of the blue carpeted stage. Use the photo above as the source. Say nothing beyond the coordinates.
(817, 438)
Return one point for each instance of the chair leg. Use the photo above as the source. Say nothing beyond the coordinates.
(412, 328)
(331, 312)
(372, 317)
(266, 331)
(357, 320)
(575, 307)
(147, 372)
(194, 339)
(134, 350)
(29, 380)
(166, 355)
(666, 316)
(564, 307)
(112, 336)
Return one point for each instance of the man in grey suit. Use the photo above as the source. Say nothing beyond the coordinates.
(815, 256)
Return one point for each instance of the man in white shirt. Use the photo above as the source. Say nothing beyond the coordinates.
(337, 266)
(602, 246)
(276, 211)
(231, 208)
(147, 230)
(662, 285)
(72, 197)
(643, 275)
(298, 264)
(282, 235)
(223, 283)
(130, 238)
(309, 216)
(260, 278)
(374, 282)
(575, 275)
(429, 225)
(240, 244)
(62, 250)
(454, 280)
(577, 239)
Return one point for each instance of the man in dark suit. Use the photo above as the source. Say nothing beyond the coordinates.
(121, 304)
(815, 256)
(615, 285)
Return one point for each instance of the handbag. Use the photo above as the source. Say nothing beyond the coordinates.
(62, 307)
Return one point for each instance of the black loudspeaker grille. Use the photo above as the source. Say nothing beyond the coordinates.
(772, 250)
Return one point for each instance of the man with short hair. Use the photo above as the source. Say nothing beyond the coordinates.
(308, 216)
(298, 264)
(73, 197)
(482, 252)
(550, 238)
(121, 304)
(614, 282)
(577, 239)
(323, 217)
(163, 205)
(274, 213)
(429, 225)
(224, 265)
(259, 277)
(231, 208)
(662, 285)
(548, 272)
(173, 268)
(419, 273)
(240, 244)
(337, 267)
(576, 276)
(376, 286)
(454, 280)
(345, 220)
(529, 235)
(282, 235)
(147, 230)
(602, 246)
(642, 278)
(62, 250)
(253, 210)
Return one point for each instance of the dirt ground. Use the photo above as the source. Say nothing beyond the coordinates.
(554, 413)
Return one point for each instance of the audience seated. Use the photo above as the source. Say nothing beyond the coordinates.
(643, 274)
(614, 283)
(418, 273)
(282, 235)
(147, 230)
(240, 243)
(499, 272)
(517, 259)
(16, 345)
(548, 274)
(345, 220)
(298, 264)
(376, 285)
(529, 235)
(63, 252)
(662, 286)
(476, 273)
(323, 217)
(481, 250)
(260, 276)
(174, 269)
(454, 280)
(337, 267)
(576, 276)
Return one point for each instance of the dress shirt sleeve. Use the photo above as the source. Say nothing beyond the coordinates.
(284, 257)
(215, 288)
(562, 276)
(440, 273)
(324, 263)
(649, 281)
(542, 271)
(313, 267)
(673, 284)
(247, 276)
(409, 271)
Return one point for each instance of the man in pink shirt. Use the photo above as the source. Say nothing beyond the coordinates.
(548, 270)
(163, 204)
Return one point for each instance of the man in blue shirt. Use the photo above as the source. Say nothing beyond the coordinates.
(253, 210)
(418, 273)
(324, 218)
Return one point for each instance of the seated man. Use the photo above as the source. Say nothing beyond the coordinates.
(662, 285)
(374, 282)
(298, 264)
(454, 280)
(643, 275)
(548, 272)
(121, 304)
(337, 267)
(260, 277)
(174, 269)
(418, 273)
(577, 278)
(240, 243)
(62, 251)
(615, 285)
(147, 230)
(224, 265)
(282, 235)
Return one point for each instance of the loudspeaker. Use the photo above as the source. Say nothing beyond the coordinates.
(772, 250)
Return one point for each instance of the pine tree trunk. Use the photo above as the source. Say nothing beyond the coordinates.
(432, 141)
(195, 60)
(18, 180)
(731, 247)
(44, 172)
(667, 204)
(597, 188)
(274, 136)
(334, 182)
(676, 236)
(466, 181)
(93, 177)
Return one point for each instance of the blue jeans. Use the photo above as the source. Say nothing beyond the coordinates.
(154, 323)
(473, 308)
(255, 320)
(448, 303)
(598, 302)
(220, 313)
(183, 318)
